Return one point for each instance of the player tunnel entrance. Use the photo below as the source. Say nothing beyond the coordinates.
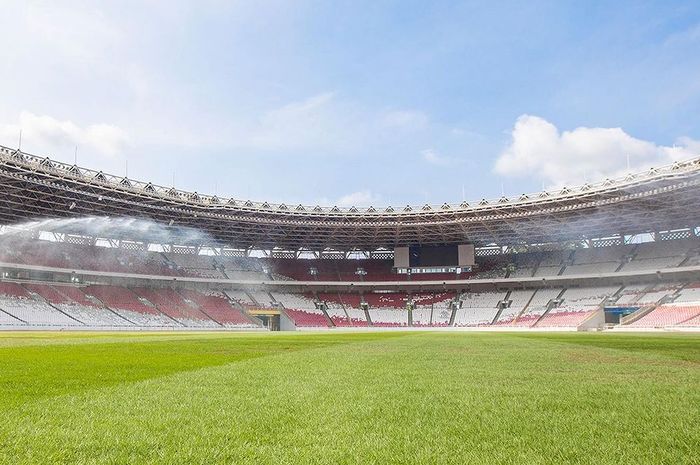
(269, 317)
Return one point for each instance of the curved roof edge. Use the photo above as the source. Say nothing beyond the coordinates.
(678, 168)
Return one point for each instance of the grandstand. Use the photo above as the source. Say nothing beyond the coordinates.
(598, 256)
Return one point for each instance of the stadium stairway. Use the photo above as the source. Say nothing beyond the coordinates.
(369, 320)
(122, 310)
(250, 296)
(621, 265)
(271, 297)
(148, 303)
(592, 315)
(208, 315)
(453, 313)
(237, 305)
(647, 289)
(566, 262)
(688, 256)
(345, 310)
(628, 257)
(525, 307)
(329, 320)
(41, 298)
(550, 305)
(11, 316)
(201, 309)
(675, 295)
(500, 309)
(102, 305)
(616, 295)
(632, 317)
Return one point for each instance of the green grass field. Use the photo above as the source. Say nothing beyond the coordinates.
(369, 398)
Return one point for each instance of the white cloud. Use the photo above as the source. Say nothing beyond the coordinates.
(74, 33)
(405, 119)
(304, 124)
(538, 149)
(47, 135)
(323, 122)
(363, 198)
(689, 144)
(431, 156)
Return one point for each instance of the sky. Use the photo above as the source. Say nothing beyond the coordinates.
(352, 102)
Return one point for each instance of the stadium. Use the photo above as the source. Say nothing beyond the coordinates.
(167, 302)
(115, 253)
(395, 309)
(232, 233)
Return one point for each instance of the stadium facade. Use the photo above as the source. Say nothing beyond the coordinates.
(620, 253)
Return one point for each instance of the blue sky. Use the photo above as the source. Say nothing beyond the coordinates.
(382, 103)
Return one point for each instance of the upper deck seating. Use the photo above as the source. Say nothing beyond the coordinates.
(690, 293)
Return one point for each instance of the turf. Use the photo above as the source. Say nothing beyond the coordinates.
(370, 398)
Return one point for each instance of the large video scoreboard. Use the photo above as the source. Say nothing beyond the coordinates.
(438, 258)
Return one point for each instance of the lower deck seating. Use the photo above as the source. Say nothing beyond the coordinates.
(513, 305)
(558, 318)
(421, 316)
(691, 323)
(8, 320)
(218, 308)
(39, 304)
(47, 292)
(388, 317)
(441, 316)
(36, 313)
(241, 297)
(72, 302)
(19, 306)
(307, 318)
(578, 304)
(475, 316)
(128, 305)
(94, 316)
(338, 316)
(667, 315)
(386, 299)
(171, 304)
(357, 317)
(262, 298)
(76, 295)
(536, 307)
(298, 301)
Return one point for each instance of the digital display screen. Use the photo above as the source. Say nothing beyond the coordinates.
(433, 256)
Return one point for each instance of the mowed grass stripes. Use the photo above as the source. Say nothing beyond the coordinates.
(379, 398)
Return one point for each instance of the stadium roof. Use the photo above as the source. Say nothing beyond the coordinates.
(660, 199)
